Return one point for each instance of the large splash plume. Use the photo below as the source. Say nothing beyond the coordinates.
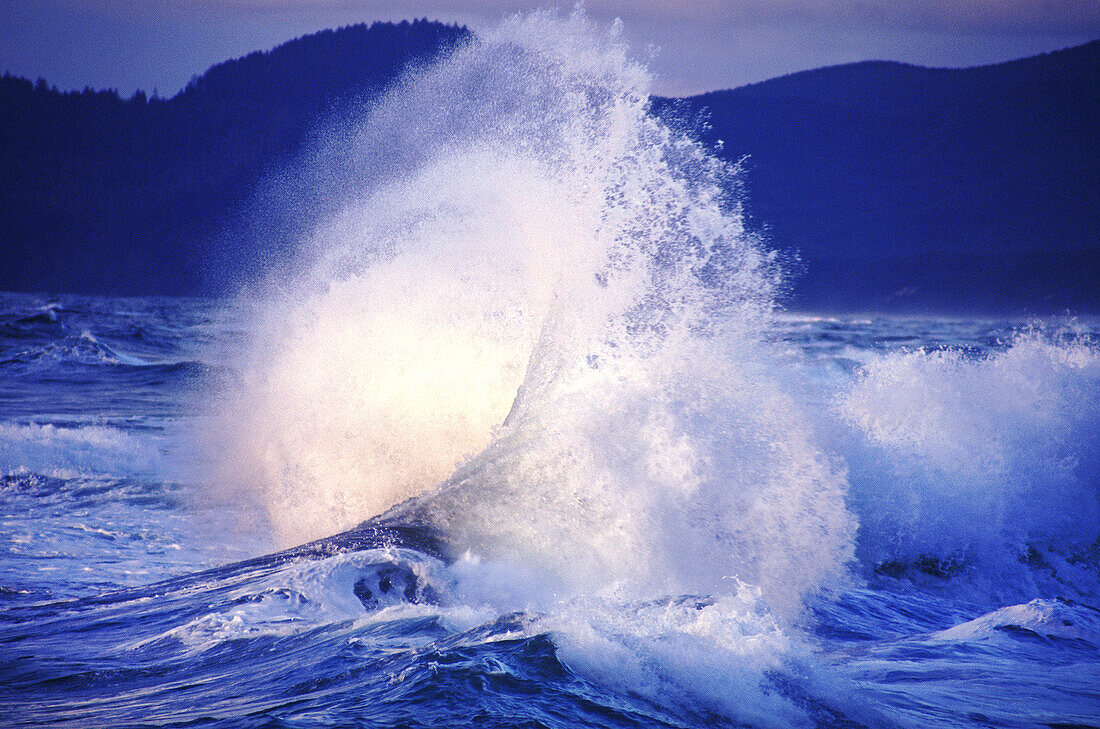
(551, 307)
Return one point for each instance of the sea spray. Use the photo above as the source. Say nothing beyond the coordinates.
(545, 338)
(558, 298)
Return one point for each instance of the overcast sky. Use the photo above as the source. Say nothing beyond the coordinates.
(700, 46)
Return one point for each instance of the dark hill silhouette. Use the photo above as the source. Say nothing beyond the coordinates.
(898, 187)
(913, 188)
(100, 194)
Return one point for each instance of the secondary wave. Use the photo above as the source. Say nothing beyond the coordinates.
(986, 465)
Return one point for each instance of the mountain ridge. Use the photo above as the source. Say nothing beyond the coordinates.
(935, 189)
(100, 194)
(898, 187)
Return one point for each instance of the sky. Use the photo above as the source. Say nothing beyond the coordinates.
(692, 46)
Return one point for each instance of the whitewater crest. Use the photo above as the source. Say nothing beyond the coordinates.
(985, 465)
(546, 302)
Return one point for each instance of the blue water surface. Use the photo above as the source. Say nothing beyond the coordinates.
(133, 594)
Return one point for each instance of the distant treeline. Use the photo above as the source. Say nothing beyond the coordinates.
(897, 187)
(100, 194)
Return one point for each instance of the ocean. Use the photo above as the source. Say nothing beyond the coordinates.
(517, 435)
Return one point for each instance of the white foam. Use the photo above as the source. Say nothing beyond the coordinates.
(977, 459)
(703, 657)
(558, 298)
(549, 306)
(1040, 617)
(65, 452)
(308, 594)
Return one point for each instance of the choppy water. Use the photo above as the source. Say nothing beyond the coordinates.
(124, 602)
(606, 482)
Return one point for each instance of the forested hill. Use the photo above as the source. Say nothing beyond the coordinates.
(100, 194)
(899, 188)
(912, 188)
